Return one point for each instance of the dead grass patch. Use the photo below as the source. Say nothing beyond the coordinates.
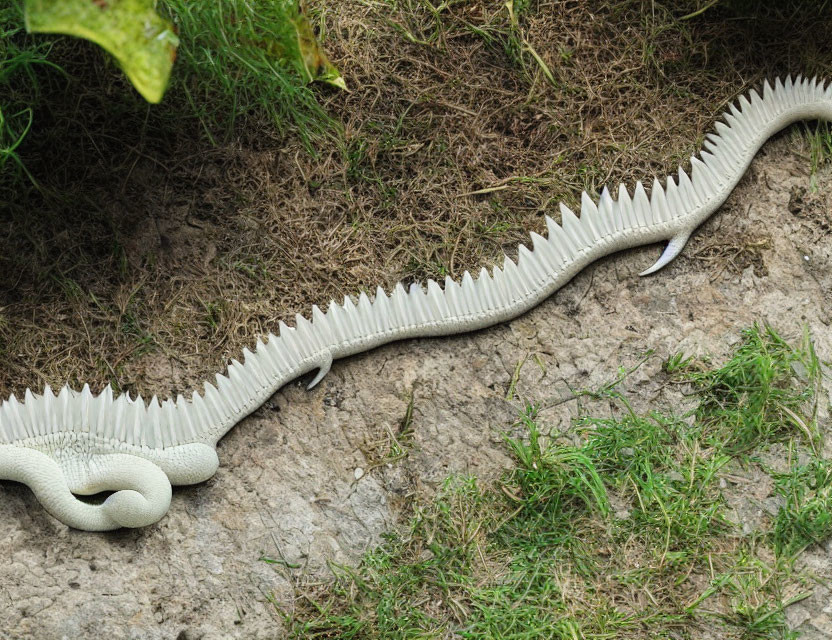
(733, 254)
(152, 257)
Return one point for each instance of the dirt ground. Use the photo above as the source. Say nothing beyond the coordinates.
(174, 256)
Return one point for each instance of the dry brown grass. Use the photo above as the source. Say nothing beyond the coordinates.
(167, 256)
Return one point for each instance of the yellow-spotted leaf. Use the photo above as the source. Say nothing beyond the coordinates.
(143, 44)
(312, 60)
(295, 43)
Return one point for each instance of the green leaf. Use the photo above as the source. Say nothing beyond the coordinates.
(312, 61)
(296, 44)
(143, 44)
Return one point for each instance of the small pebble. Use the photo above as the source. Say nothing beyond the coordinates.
(676, 476)
(359, 473)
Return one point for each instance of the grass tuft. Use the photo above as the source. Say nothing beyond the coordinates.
(761, 395)
(806, 516)
(228, 68)
(19, 58)
(544, 554)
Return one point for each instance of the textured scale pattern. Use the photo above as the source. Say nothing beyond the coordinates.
(76, 443)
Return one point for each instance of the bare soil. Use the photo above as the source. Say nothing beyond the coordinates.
(176, 255)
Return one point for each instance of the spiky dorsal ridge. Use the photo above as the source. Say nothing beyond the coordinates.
(603, 226)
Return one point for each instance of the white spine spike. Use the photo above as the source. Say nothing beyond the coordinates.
(254, 367)
(454, 298)
(351, 317)
(573, 228)
(606, 212)
(529, 267)
(549, 258)
(438, 304)
(485, 290)
(686, 189)
(169, 428)
(658, 203)
(381, 309)
(558, 239)
(137, 423)
(119, 419)
(713, 161)
(141, 449)
(368, 313)
(86, 401)
(515, 282)
(504, 291)
(320, 326)
(675, 204)
(50, 410)
(641, 206)
(30, 415)
(307, 336)
(398, 301)
(418, 308)
(589, 218)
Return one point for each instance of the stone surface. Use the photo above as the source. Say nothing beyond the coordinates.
(288, 487)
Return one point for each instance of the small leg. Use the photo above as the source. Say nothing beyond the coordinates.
(673, 249)
(323, 366)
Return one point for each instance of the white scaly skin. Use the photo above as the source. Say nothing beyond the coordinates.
(79, 444)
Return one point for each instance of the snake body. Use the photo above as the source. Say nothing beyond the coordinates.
(76, 443)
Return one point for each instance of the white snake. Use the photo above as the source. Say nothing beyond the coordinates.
(76, 443)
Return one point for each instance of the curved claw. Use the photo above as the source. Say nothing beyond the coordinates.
(323, 367)
(673, 249)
